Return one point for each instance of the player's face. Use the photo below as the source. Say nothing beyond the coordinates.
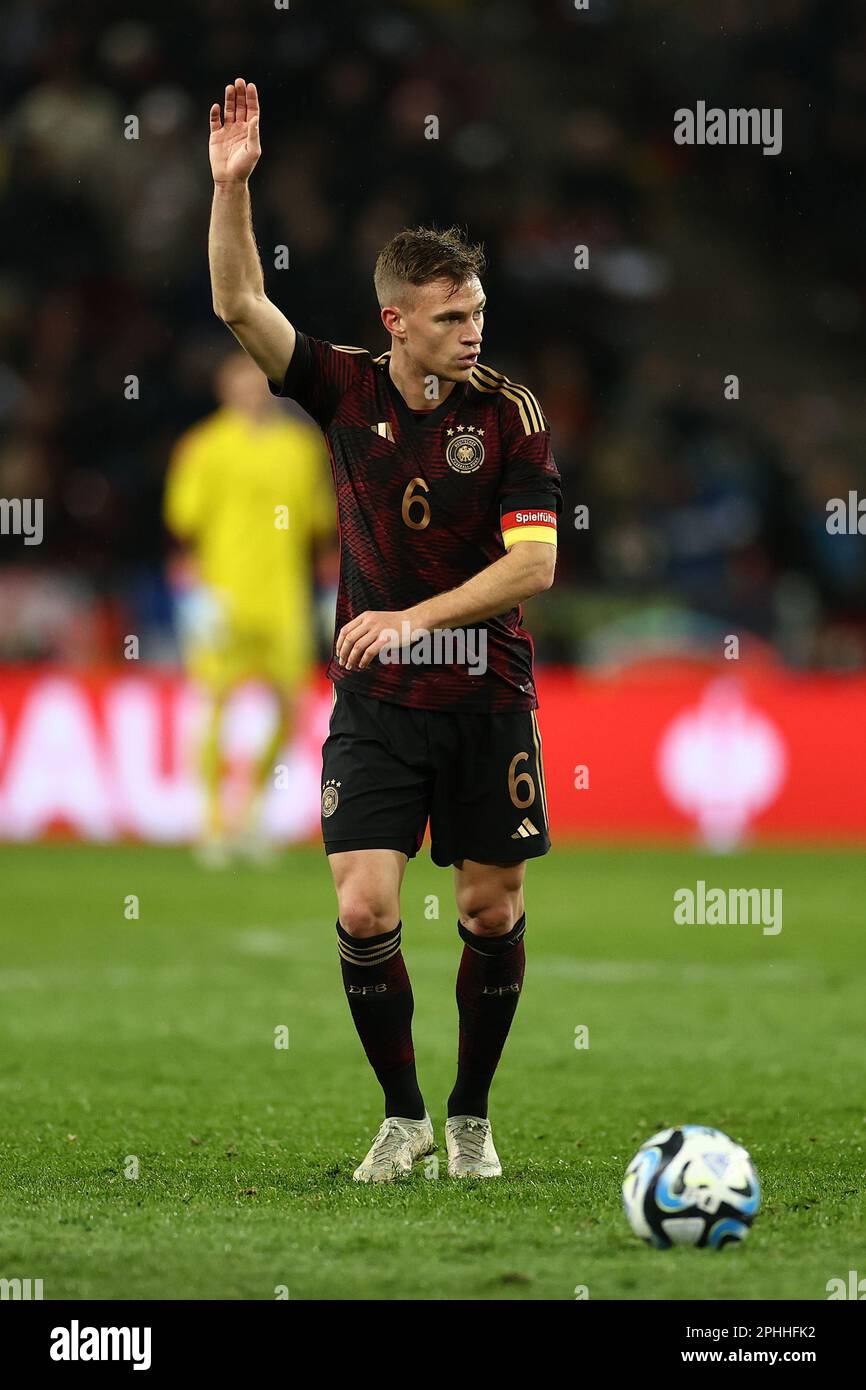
(241, 385)
(444, 326)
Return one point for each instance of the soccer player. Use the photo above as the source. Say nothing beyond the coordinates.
(247, 494)
(447, 496)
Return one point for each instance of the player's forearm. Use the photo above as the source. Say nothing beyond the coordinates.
(235, 267)
(524, 571)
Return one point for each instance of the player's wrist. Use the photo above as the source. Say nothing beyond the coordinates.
(230, 185)
(421, 618)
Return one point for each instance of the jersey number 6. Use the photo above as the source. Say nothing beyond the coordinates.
(411, 498)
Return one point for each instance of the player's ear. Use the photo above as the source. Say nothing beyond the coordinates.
(393, 320)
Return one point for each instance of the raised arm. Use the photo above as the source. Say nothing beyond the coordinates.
(237, 283)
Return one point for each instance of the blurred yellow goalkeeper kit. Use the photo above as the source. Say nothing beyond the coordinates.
(249, 497)
(249, 500)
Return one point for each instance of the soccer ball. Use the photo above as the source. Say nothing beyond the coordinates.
(691, 1186)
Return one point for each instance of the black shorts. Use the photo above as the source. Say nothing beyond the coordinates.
(478, 778)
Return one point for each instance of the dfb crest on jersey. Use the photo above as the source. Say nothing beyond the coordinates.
(465, 453)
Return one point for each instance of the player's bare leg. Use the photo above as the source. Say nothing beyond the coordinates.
(212, 850)
(380, 998)
(491, 923)
(250, 836)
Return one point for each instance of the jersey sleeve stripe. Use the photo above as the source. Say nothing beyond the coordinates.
(529, 427)
(499, 381)
(539, 762)
(531, 416)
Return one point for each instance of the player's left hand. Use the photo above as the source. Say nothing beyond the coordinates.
(361, 640)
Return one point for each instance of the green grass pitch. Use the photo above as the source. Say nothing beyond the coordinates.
(147, 1046)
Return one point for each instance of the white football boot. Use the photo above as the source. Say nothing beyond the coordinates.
(252, 844)
(396, 1147)
(250, 839)
(469, 1141)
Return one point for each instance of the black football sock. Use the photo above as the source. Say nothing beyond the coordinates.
(380, 998)
(489, 982)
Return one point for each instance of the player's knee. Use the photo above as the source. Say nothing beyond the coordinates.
(361, 915)
(489, 916)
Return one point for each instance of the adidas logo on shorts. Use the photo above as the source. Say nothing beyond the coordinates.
(525, 829)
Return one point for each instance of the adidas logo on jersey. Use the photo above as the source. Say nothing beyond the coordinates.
(383, 429)
(525, 829)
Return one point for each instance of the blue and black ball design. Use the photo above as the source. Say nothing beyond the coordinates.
(691, 1186)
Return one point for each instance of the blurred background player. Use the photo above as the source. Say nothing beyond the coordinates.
(249, 498)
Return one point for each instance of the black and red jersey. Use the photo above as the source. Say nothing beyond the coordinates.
(423, 499)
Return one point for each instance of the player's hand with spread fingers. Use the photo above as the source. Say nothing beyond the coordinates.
(237, 280)
(361, 640)
(234, 139)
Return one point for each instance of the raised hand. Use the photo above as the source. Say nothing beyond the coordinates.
(234, 140)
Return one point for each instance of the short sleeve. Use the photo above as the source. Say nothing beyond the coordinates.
(320, 374)
(530, 492)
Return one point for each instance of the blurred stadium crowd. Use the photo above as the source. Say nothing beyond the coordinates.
(706, 514)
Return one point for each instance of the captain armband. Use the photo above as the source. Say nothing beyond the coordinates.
(528, 523)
